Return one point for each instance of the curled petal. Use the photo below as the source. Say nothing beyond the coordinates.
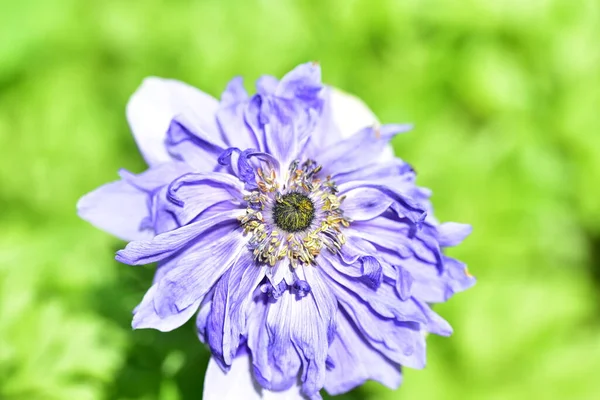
(365, 203)
(355, 361)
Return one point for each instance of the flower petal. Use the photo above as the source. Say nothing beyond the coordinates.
(184, 141)
(191, 194)
(145, 315)
(266, 85)
(355, 361)
(153, 106)
(359, 150)
(168, 243)
(381, 300)
(238, 383)
(289, 117)
(155, 177)
(452, 233)
(196, 272)
(363, 204)
(404, 204)
(297, 334)
(401, 342)
(230, 305)
(117, 208)
(350, 113)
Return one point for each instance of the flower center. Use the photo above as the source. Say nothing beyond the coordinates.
(293, 212)
(294, 218)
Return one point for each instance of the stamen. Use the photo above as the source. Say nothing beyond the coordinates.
(296, 219)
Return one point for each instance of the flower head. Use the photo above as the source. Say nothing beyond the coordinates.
(283, 221)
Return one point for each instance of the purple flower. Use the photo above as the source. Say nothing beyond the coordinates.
(285, 223)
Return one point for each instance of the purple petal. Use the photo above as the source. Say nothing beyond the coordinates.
(380, 171)
(298, 333)
(232, 117)
(429, 285)
(326, 132)
(401, 342)
(231, 300)
(289, 117)
(168, 243)
(287, 126)
(356, 361)
(117, 208)
(302, 83)
(404, 283)
(396, 235)
(196, 272)
(234, 92)
(154, 177)
(195, 192)
(363, 148)
(382, 300)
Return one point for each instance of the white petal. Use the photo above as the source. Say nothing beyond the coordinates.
(238, 384)
(351, 114)
(153, 106)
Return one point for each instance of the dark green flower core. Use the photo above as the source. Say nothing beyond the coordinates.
(293, 212)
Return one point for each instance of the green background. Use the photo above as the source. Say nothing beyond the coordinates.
(505, 96)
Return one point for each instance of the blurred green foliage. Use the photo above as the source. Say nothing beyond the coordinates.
(504, 95)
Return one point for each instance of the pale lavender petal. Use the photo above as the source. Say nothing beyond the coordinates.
(363, 204)
(452, 233)
(267, 85)
(145, 315)
(156, 102)
(117, 208)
